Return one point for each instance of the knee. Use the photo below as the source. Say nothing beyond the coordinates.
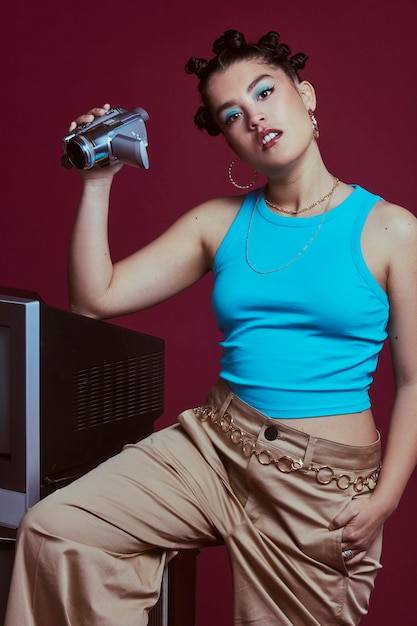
(44, 518)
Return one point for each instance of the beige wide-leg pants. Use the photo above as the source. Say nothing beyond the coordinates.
(93, 553)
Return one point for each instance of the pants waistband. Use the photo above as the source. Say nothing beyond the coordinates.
(289, 449)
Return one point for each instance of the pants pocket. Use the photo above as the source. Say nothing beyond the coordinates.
(325, 547)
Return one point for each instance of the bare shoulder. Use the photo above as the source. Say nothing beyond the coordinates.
(396, 226)
(220, 207)
(396, 215)
(213, 219)
(389, 242)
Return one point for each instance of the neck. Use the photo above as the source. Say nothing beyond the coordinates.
(299, 191)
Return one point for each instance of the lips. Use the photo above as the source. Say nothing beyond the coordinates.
(269, 138)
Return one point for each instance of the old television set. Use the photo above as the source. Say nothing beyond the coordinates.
(73, 391)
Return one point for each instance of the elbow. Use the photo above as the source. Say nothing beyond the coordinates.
(84, 309)
(83, 303)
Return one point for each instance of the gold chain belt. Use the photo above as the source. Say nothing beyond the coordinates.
(286, 464)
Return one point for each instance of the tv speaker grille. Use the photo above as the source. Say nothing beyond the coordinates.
(117, 391)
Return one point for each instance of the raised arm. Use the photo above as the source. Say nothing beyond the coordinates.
(175, 260)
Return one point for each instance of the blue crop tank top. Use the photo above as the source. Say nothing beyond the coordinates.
(302, 316)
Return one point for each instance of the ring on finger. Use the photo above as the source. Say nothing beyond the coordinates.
(348, 554)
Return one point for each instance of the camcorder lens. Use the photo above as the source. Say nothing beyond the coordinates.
(77, 154)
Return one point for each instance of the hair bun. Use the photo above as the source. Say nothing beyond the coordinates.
(196, 66)
(230, 40)
(298, 61)
(270, 41)
(203, 120)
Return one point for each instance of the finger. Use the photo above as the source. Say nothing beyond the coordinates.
(359, 556)
(339, 522)
(348, 554)
(351, 557)
(98, 111)
(87, 118)
(345, 517)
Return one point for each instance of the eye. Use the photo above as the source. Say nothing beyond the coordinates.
(231, 116)
(264, 92)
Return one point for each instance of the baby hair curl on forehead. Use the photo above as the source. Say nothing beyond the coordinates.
(231, 48)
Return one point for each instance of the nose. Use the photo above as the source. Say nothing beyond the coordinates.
(256, 119)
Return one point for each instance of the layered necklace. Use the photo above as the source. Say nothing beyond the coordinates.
(328, 195)
(289, 212)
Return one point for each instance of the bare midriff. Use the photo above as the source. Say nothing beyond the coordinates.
(352, 429)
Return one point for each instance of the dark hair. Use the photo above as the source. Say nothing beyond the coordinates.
(230, 48)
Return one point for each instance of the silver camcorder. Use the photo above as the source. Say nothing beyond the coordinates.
(117, 136)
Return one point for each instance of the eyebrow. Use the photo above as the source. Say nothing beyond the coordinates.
(250, 88)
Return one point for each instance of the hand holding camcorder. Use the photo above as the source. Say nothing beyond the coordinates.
(117, 136)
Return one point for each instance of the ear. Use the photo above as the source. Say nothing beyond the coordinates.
(308, 95)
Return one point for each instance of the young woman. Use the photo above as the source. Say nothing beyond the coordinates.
(282, 462)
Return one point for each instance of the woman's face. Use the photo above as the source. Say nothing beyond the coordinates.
(263, 115)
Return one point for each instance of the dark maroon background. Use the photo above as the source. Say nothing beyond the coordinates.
(58, 59)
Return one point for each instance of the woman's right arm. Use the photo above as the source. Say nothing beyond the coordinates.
(103, 289)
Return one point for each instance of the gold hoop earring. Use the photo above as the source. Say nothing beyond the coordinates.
(230, 170)
(316, 132)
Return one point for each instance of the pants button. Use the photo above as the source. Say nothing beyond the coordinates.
(271, 433)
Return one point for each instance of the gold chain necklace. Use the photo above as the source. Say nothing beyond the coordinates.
(300, 252)
(297, 211)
